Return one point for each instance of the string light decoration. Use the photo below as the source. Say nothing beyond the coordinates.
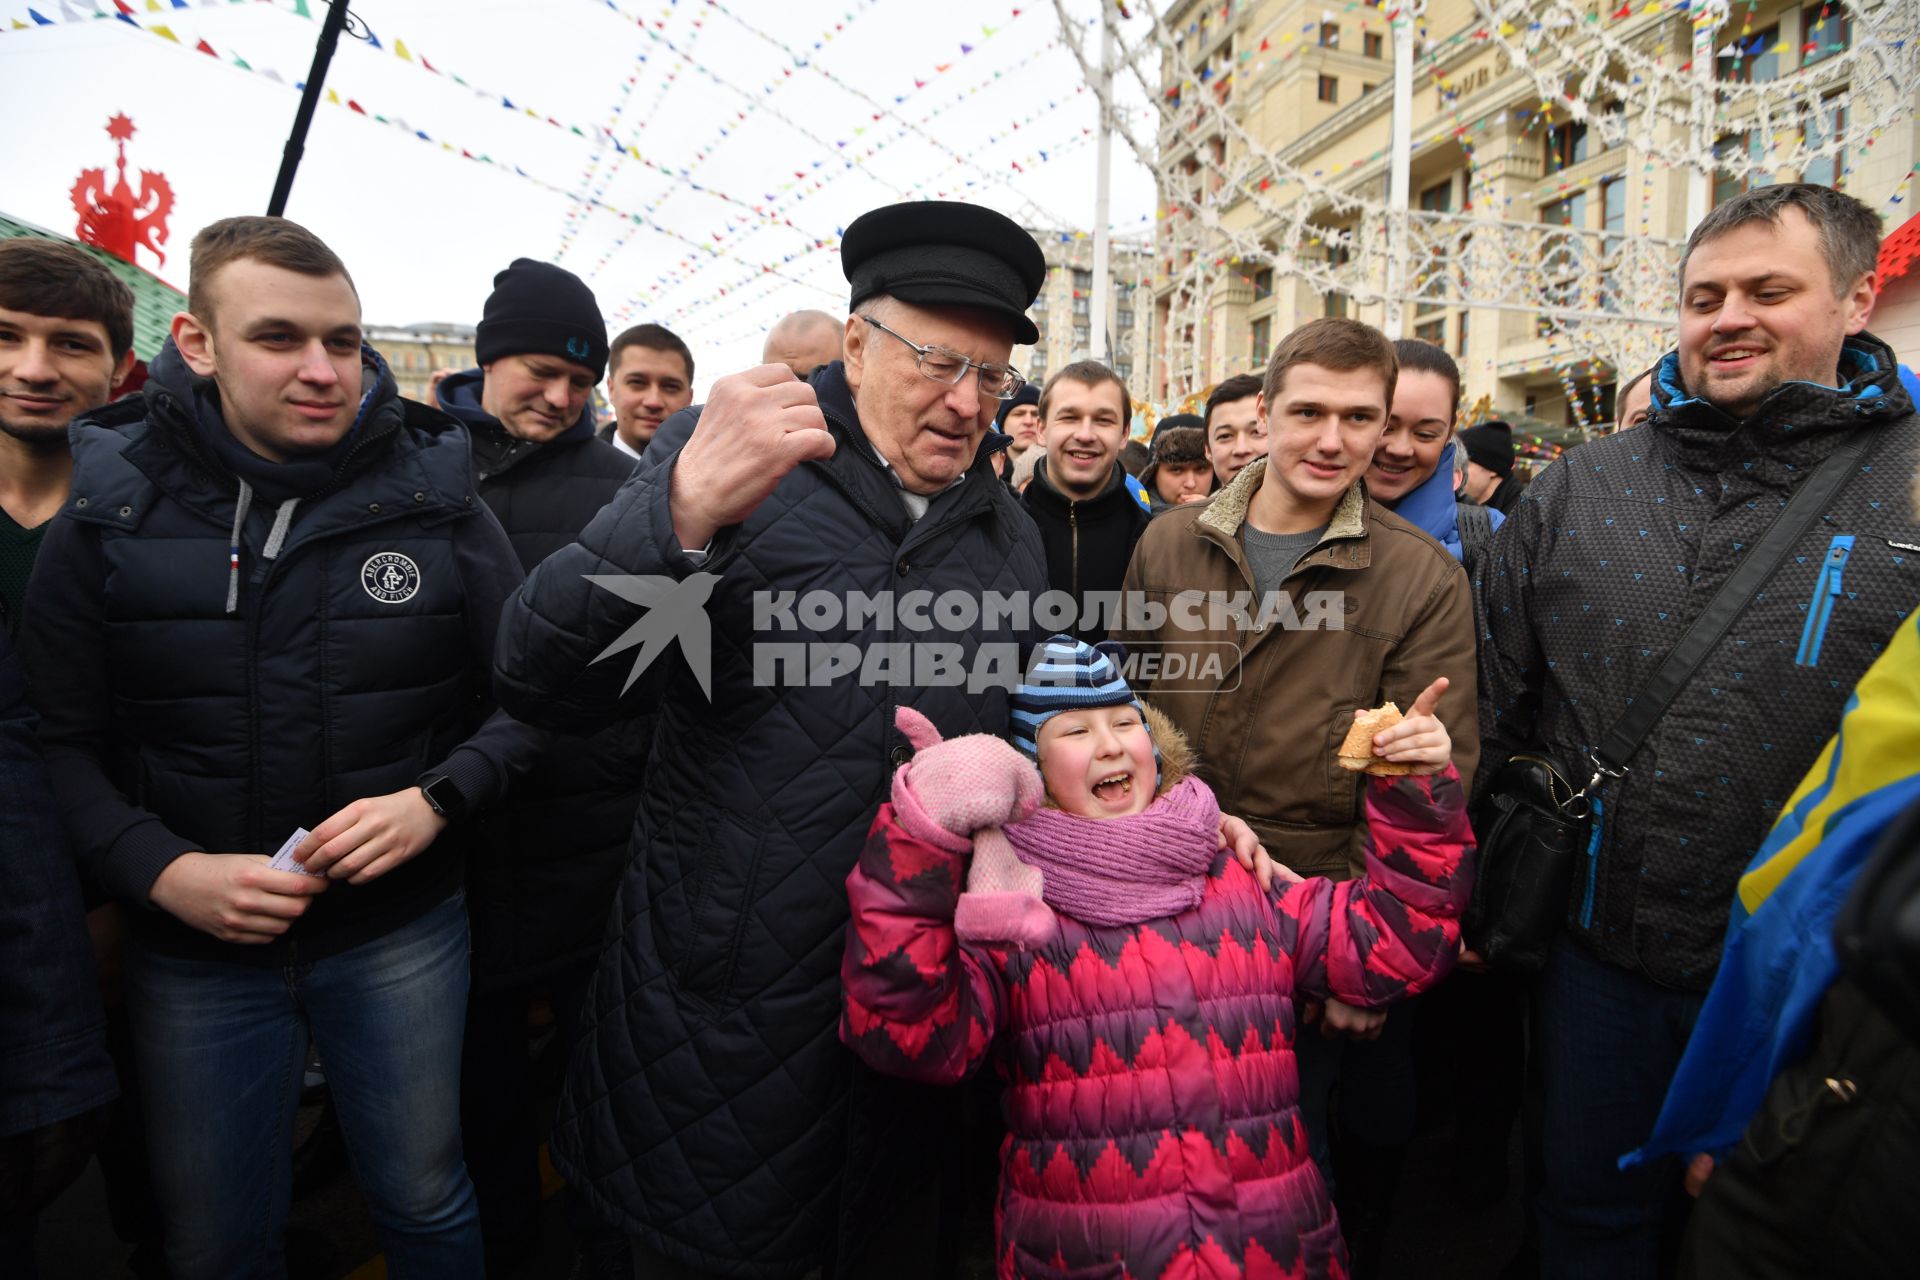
(1602, 299)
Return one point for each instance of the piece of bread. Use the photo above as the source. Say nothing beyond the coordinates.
(1356, 752)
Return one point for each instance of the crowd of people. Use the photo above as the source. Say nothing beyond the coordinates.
(928, 820)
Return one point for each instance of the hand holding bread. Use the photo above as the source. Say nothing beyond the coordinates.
(1386, 744)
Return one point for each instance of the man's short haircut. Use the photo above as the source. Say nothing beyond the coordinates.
(278, 242)
(1238, 387)
(1620, 396)
(1419, 355)
(653, 337)
(1088, 373)
(43, 277)
(1336, 344)
(1849, 230)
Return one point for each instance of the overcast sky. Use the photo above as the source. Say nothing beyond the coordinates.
(423, 229)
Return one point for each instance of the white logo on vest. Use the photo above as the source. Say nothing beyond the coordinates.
(390, 577)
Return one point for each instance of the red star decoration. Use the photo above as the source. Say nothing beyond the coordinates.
(120, 128)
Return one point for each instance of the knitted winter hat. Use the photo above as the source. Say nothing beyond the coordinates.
(1491, 445)
(1174, 421)
(1174, 446)
(1069, 675)
(537, 308)
(1027, 394)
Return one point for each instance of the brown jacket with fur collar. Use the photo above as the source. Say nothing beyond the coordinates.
(1265, 698)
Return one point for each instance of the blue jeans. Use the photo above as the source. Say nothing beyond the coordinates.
(1608, 1041)
(221, 1047)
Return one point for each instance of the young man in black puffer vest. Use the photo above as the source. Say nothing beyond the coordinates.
(545, 865)
(269, 604)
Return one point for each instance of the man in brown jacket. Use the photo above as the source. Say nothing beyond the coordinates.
(1351, 606)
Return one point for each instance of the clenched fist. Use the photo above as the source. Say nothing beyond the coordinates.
(756, 427)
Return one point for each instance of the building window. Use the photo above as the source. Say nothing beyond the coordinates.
(1262, 339)
(1372, 44)
(1123, 318)
(1756, 61)
(1081, 306)
(1438, 198)
(1336, 305)
(1082, 280)
(1037, 363)
(1329, 89)
(1827, 123)
(1039, 303)
(1728, 185)
(1263, 283)
(1434, 331)
(1570, 212)
(1460, 342)
(1329, 35)
(1368, 86)
(1825, 31)
(1566, 145)
(1082, 336)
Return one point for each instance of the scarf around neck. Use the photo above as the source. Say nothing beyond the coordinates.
(1119, 871)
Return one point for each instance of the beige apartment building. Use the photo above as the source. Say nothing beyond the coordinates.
(1064, 310)
(415, 351)
(1544, 225)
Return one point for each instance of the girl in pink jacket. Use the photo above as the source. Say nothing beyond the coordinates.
(1134, 985)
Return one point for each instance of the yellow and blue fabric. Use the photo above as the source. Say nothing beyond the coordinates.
(1779, 958)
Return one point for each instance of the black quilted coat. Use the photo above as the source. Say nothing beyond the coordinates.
(1602, 566)
(545, 862)
(709, 1107)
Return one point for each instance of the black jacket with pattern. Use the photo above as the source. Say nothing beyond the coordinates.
(354, 655)
(545, 863)
(1601, 567)
(1089, 543)
(709, 1107)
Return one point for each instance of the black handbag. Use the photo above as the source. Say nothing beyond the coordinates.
(1531, 822)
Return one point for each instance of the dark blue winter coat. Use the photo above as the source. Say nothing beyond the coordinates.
(53, 1034)
(709, 1108)
(346, 665)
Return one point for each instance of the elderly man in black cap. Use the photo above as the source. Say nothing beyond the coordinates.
(1489, 478)
(710, 1114)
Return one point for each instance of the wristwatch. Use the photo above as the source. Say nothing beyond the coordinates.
(443, 796)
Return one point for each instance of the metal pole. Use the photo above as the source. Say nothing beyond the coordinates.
(1102, 183)
(1400, 174)
(330, 28)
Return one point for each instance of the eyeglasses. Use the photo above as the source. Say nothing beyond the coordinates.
(1001, 381)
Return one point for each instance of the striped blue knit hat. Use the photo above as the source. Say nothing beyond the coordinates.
(1065, 675)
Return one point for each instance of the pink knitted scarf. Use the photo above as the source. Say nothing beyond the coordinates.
(1114, 871)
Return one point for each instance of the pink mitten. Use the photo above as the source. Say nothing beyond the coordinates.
(1002, 903)
(949, 790)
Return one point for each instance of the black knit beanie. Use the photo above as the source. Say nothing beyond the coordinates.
(539, 309)
(1491, 445)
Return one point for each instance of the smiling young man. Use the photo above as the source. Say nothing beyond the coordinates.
(1088, 515)
(269, 604)
(1382, 610)
(66, 340)
(650, 379)
(1774, 372)
(1236, 428)
(1412, 471)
